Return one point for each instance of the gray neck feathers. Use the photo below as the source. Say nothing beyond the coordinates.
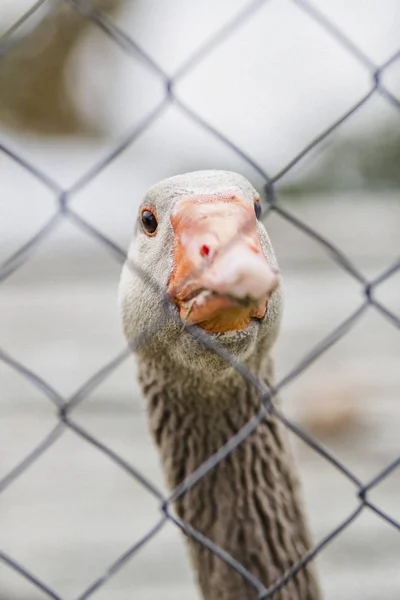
(249, 503)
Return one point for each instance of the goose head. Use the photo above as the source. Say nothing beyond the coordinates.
(200, 256)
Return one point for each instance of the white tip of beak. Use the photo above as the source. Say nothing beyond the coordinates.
(241, 273)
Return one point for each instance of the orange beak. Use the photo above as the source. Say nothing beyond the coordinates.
(221, 278)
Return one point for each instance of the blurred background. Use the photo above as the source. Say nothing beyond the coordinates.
(68, 96)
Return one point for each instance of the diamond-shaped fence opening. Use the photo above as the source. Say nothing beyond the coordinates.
(66, 208)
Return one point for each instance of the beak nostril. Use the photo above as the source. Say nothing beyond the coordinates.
(205, 250)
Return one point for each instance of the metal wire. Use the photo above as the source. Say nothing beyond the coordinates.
(66, 406)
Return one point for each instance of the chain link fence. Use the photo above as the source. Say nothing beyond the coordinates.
(65, 406)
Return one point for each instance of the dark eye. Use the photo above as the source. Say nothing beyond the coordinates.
(149, 221)
(257, 209)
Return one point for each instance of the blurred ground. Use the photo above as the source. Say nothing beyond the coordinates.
(72, 513)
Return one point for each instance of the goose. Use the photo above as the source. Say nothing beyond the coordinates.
(200, 238)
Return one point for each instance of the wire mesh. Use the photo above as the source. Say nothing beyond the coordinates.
(65, 406)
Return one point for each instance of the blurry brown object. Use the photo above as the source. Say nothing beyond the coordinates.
(330, 410)
(34, 95)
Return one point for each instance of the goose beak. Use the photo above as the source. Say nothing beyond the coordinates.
(221, 278)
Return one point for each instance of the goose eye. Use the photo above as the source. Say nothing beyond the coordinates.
(257, 209)
(149, 221)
